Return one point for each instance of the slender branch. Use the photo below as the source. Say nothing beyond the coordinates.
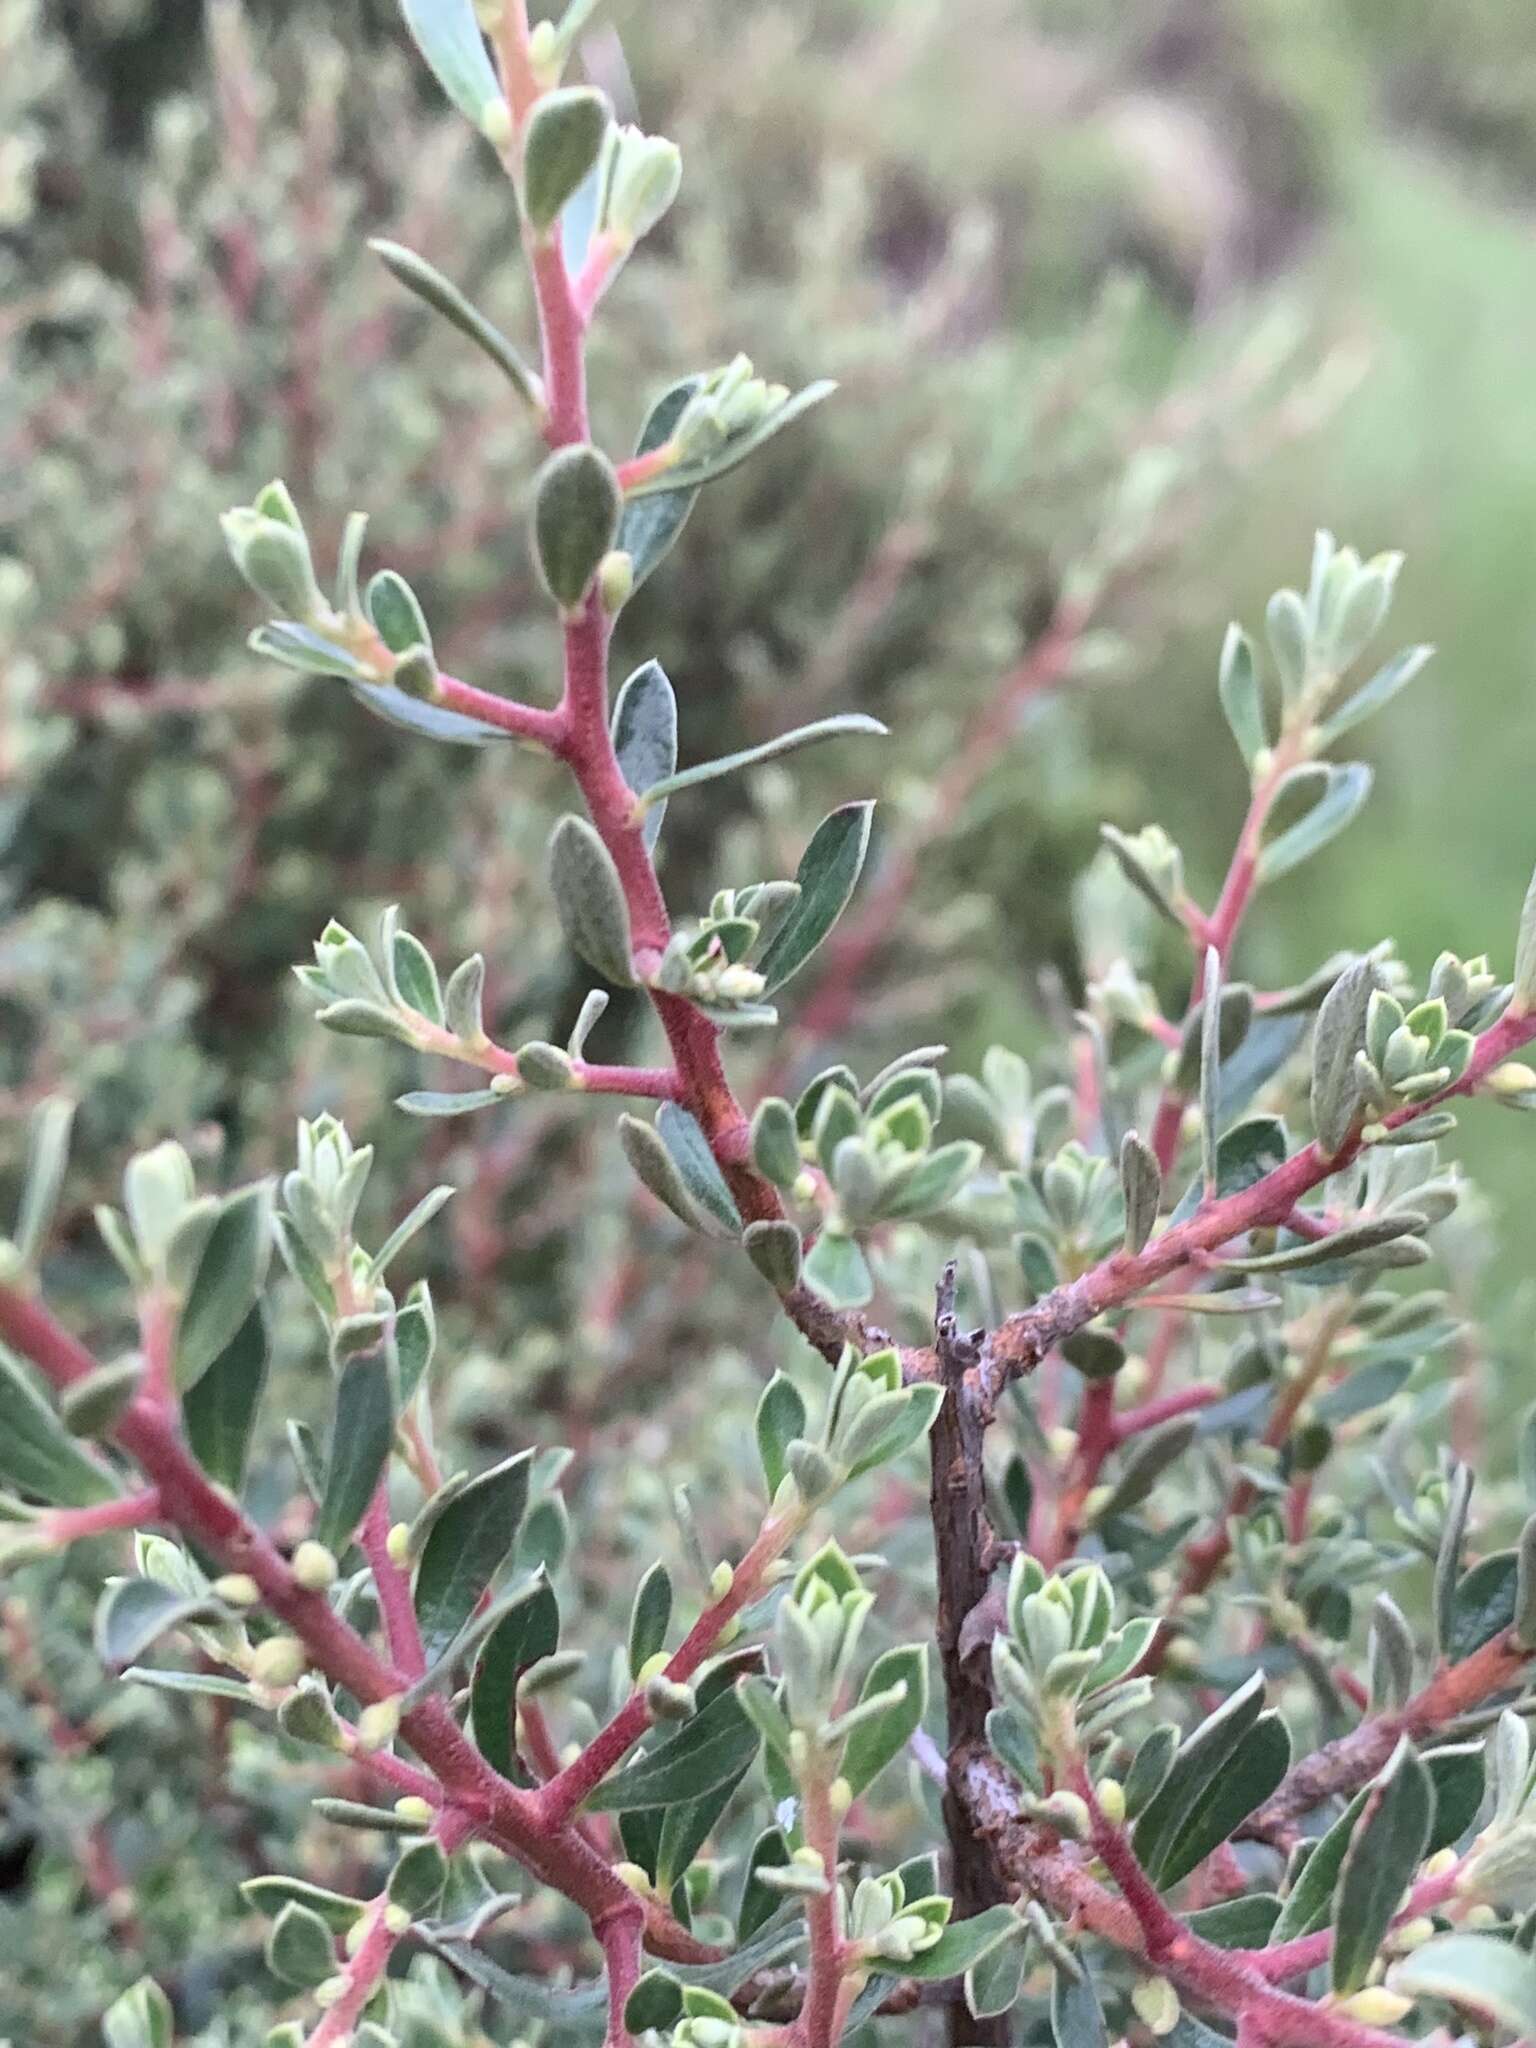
(1341, 1767)
(1138, 1923)
(1220, 930)
(621, 1932)
(558, 1800)
(1024, 1339)
(521, 721)
(396, 1608)
(365, 1969)
(818, 2025)
(68, 1525)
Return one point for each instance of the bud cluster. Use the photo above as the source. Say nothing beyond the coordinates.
(1063, 1668)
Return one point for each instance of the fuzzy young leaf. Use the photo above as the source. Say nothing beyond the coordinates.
(649, 525)
(466, 1546)
(1242, 697)
(1480, 1974)
(528, 1632)
(690, 1154)
(1338, 1036)
(589, 899)
(47, 1158)
(436, 291)
(1141, 1182)
(828, 872)
(448, 37)
(1210, 1066)
(1343, 796)
(141, 2018)
(575, 519)
(780, 1419)
(786, 743)
(958, 1949)
(836, 1269)
(560, 145)
(645, 737)
(690, 475)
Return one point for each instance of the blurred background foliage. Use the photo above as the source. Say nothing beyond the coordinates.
(1124, 302)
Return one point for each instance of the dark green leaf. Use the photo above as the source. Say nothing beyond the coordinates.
(1200, 1761)
(655, 2005)
(1245, 1154)
(561, 141)
(94, 1405)
(712, 1749)
(648, 1617)
(879, 1741)
(575, 520)
(1344, 792)
(994, 1981)
(1484, 1604)
(1246, 1779)
(227, 1282)
(1237, 1923)
(466, 1546)
(417, 1880)
(1386, 1848)
(361, 1438)
(759, 1902)
(827, 874)
(218, 1410)
(37, 1454)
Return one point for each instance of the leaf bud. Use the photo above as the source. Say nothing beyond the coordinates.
(314, 1566)
(279, 1661)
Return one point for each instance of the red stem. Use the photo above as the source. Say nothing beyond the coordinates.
(68, 1525)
